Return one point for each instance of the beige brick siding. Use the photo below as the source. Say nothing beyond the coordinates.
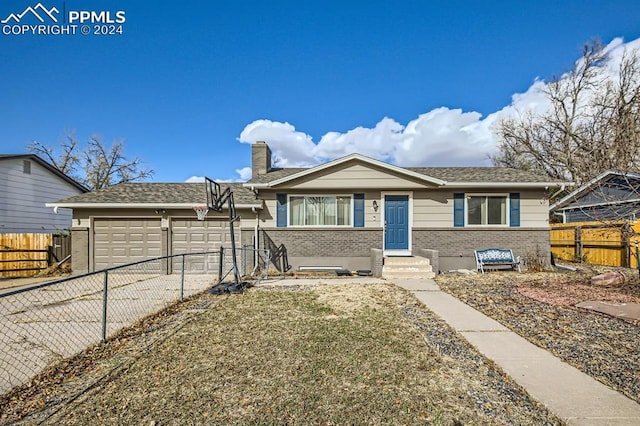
(455, 246)
(326, 242)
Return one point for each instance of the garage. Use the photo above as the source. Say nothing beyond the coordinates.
(119, 241)
(195, 236)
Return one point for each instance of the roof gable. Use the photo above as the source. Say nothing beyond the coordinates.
(609, 187)
(360, 176)
(340, 164)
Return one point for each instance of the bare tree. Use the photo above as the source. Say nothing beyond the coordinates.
(593, 123)
(67, 161)
(96, 166)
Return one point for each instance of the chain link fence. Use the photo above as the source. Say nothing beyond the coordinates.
(45, 323)
(253, 263)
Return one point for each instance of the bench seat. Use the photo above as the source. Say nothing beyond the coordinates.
(494, 257)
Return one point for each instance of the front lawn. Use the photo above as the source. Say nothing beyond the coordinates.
(330, 354)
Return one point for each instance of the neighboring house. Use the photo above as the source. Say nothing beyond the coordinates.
(346, 213)
(612, 195)
(27, 183)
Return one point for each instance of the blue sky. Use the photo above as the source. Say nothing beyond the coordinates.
(188, 85)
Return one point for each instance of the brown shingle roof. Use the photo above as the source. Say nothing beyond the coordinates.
(448, 174)
(194, 193)
(480, 174)
(159, 193)
(275, 174)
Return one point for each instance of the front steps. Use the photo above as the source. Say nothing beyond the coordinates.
(407, 267)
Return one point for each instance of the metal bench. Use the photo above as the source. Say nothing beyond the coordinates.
(493, 257)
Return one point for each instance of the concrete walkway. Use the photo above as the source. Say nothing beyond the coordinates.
(570, 394)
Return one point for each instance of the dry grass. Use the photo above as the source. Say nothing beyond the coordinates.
(540, 307)
(334, 354)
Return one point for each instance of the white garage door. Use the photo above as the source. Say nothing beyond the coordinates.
(195, 236)
(119, 241)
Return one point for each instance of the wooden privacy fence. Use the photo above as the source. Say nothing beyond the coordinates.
(24, 255)
(610, 244)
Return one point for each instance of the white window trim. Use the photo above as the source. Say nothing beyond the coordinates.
(351, 214)
(468, 195)
(407, 252)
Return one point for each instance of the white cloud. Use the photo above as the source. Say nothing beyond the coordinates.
(244, 175)
(290, 147)
(440, 137)
(378, 142)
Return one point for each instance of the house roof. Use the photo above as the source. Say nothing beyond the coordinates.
(47, 166)
(439, 176)
(463, 175)
(149, 194)
(570, 199)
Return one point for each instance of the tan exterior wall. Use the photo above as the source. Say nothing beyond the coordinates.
(435, 208)
(358, 176)
(534, 209)
(431, 208)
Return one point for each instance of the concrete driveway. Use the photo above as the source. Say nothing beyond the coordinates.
(41, 326)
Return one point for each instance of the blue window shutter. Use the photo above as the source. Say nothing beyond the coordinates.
(458, 209)
(281, 210)
(514, 209)
(358, 210)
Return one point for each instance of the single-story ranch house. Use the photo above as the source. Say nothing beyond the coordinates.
(351, 213)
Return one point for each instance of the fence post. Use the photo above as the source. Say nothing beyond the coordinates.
(182, 279)
(267, 262)
(50, 256)
(104, 305)
(579, 244)
(627, 249)
(244, 260)
(220, 264)
(637, 258)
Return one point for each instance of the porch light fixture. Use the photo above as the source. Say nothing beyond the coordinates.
(375, 206)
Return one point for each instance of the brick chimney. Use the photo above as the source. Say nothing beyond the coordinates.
(260, 158)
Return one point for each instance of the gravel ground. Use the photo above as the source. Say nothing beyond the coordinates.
(540, 307)
(500, 398)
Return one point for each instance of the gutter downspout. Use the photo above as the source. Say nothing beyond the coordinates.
(562, 187)
(255, 238)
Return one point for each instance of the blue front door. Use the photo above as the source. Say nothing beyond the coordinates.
(396, 215)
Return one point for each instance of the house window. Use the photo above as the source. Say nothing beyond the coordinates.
(26, 167)
(487, 210)
(320, 210)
